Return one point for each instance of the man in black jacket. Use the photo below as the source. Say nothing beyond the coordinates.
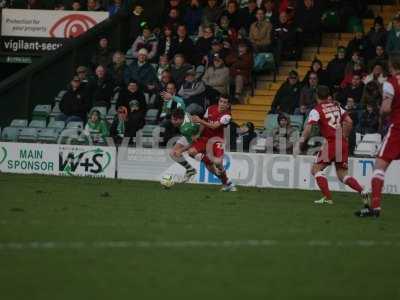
(102, 88)
(336, 68)
(287, 98)
(75, 103)
(183, 44)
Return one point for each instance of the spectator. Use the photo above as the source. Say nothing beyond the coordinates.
(136, 118)
(308, 18)
(170, 101)
(240, 64)
(83, 73)
(317, 67)
(96, 128)
(173, 19)
(192, 92)
(336, 68)
(166, 78)
(285, 38)
(141, 71)
(146, 41)
(372, 94)
(135, 21)
(118, 69)
(393, 40)
(380, 57)
(57, 6)
(211, 13)
(217, 47)
(132, 92)
(260, 33)
(283, 136)
(248, 14)
(376, 74)
(165, 44)
(119, 126)
(103, 88)
(163, 65)
(287, 97)
(352, 91)
(233, 15)
(308, 94)
(203, 46)
(179, 69)
(193, 16)
(270, 12)
(217, 75)
(103, 54)
(183, 44)
(358, 44)
(75, 103)
(76, 5)
(114, 7)
(93, 5)
(247, 135)
(376, 36)
(369, 120)
(356, 64)
(352, 111)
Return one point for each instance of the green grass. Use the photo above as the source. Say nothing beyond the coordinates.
(67, 210)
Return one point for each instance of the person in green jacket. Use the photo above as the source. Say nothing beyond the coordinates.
(96, 128)
(189, 132)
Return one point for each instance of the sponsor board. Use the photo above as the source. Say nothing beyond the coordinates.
(64, 160)
(248, 169)
(26, 31)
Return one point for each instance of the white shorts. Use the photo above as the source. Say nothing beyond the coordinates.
(183, 141)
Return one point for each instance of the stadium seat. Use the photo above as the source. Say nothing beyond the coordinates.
(19, 123)
(71, 136)
(41, 112)
(368, 146)
(151, 116)
(146, 138)
(10, 134)
(48, 135)
(37, 124)
(60, 95)
(271, 121)
(75, 125)
(114, 99)
(28, 134)
(58, 125)
(372, 138)
(297, 121)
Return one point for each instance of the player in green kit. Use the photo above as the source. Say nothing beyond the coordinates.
(189, 131)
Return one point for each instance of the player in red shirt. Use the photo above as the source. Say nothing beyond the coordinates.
(335, 125)
(209, 147)
(390, 149)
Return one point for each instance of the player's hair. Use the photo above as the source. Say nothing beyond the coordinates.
(394, 61)
(178, 113)
(323, 92)
(225, 96)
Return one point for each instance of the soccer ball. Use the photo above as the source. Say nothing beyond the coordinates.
(167, 181)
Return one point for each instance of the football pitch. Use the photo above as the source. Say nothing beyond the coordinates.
(82, 238)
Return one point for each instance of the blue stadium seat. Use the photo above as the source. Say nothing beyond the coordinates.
(271, 121)
(151, 117)
(10, 134)
(41, 112)
(75, 125)
(28, 134)
(37, 124)
(48, 135)
(19, 123)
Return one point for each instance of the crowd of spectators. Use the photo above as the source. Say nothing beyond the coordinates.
(202, 49)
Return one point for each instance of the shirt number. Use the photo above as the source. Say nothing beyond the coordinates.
(334, 118)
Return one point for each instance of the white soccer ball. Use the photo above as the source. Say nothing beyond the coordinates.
(167, 181)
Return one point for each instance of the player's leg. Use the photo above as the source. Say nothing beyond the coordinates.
(350, 181)
(218, 159)
(176, 154)
(322, 182)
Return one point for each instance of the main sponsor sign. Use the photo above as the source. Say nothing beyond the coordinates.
(248, 169)
(65, 160)
(39, 31)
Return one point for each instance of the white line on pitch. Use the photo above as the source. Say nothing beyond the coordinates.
(43, 245)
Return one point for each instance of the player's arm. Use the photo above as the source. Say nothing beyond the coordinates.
(386, 106)
(313, 119)
(215, 125)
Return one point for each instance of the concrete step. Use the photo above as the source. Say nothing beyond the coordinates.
(322, 50)
(334, 43)
(250, 107)
(271, 77)
(325, 58)
(261, 100)
(260, 92)
(257, 123)
(249, 115)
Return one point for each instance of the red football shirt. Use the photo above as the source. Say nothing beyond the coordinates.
(213, 115)
(329, 116)
(392, 87)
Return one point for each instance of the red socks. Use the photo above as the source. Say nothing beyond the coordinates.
(377, 181)
(353, 183)
(322, 183)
